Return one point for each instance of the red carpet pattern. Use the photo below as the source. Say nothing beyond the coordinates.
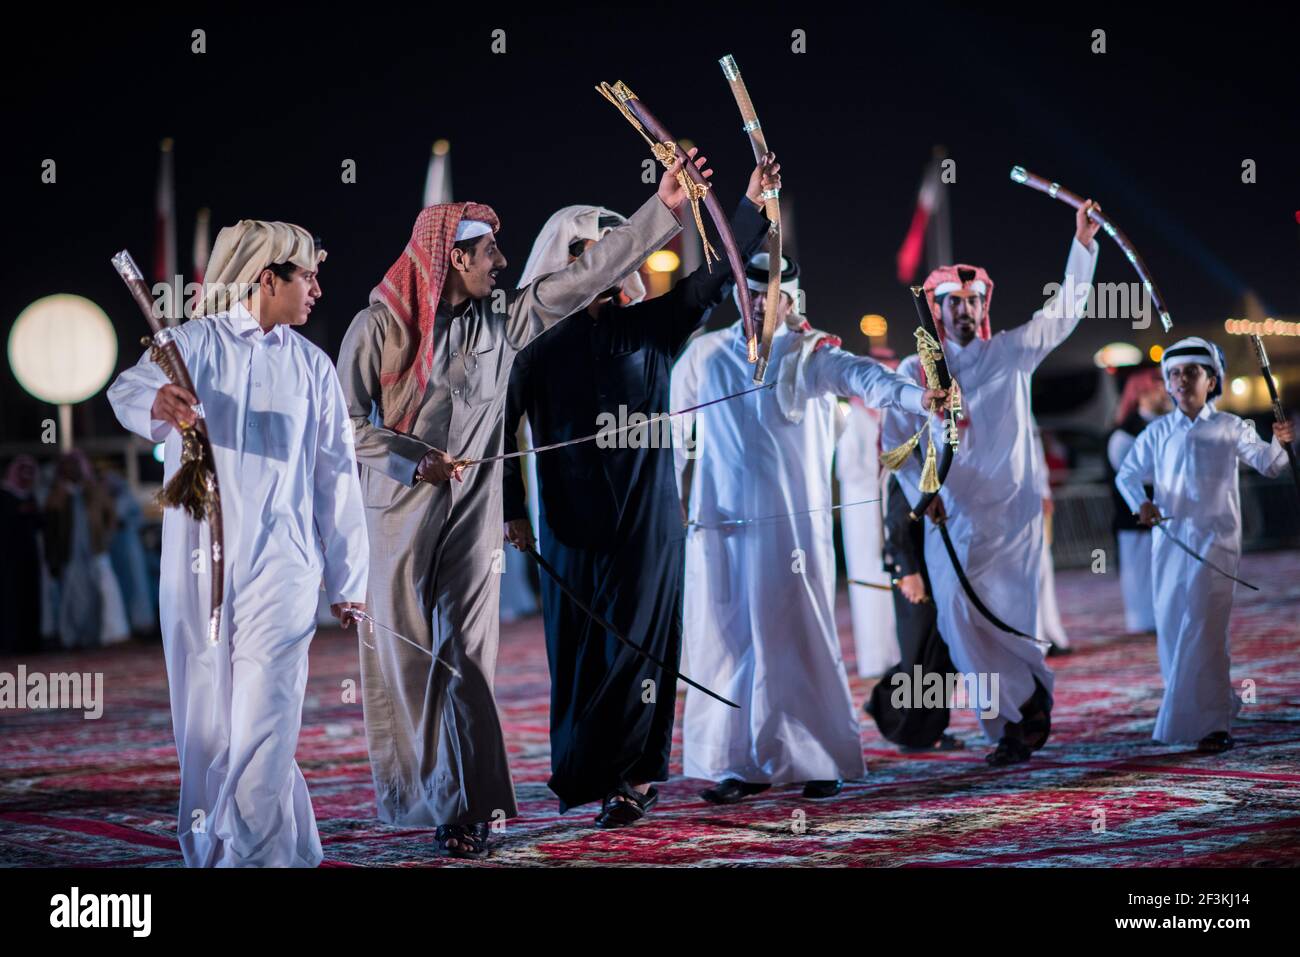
(75, 792)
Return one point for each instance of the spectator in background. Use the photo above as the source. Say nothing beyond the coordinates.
(1144, 400)
(79, 521)
(126, 554)
(20, 559)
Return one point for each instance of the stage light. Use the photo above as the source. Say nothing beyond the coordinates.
(873, 325)
(1267, 327)
(1117, 354)
(440, 147)
(1156, 353)
(62, 349)
(159, 452)
(665, 260)
(1239, 386)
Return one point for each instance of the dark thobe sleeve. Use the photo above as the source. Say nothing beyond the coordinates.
(514, 502)
(695, 296)
(903, 551)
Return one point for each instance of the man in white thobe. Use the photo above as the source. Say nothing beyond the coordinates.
(993, 508)
(760, 560)
(862, 527)
(291, 501)
(1190, 456)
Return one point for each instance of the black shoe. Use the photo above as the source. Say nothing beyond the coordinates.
(633, 807)
(945, 743)
(732, 791)
(822, 789)
(1056, 651)
(1008, 751)
(1216, 743)
(1036, 718)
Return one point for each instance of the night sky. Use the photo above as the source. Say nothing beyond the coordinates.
(1155, 129)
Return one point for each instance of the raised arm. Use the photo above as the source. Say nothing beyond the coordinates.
(336, 503)
(696, 295)
(543, 303)
(1053, 324)
(392, 453)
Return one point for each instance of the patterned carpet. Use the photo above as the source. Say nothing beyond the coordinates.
(1101, 794)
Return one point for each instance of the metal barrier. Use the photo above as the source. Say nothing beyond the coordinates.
(1081, 521)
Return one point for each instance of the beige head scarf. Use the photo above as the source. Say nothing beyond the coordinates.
(241, 253)
(551, 248)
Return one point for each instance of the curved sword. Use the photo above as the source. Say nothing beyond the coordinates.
(772, 203)
(667, 151)
(1055, 190)
(672, 672)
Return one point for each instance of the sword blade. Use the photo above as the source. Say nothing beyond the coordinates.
(1201, 558)
(545, 566)
(363, 616)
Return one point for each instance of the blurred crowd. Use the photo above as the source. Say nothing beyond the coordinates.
(75, 572)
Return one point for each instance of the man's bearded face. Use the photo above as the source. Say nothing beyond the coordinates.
(480, 268)
(758, 302)
(962, 314)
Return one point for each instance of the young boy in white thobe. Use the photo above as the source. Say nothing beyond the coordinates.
(1191, 457)
(292, 509)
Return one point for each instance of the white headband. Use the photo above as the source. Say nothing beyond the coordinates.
(471, 229)
(975, 286)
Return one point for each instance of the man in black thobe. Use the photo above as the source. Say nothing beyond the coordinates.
(911, 727)
(610, 516)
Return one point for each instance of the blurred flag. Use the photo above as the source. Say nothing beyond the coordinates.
(437, 182)
(165, 223)
(202, 250)
(930, 227)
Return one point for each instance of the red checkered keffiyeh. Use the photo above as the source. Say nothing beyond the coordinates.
(410, 290)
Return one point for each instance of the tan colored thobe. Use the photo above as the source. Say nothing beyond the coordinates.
(436, 749)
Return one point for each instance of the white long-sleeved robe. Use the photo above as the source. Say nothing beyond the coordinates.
(995, 512)
(1192, 464)
(291, 503)
(759, 603)
(857, 465)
